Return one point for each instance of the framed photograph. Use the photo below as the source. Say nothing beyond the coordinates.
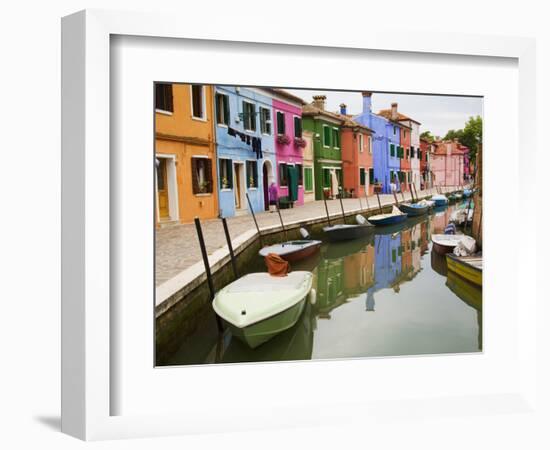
(245, 221)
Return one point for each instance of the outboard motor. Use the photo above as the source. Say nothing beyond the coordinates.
(360, 219)
(304, 233)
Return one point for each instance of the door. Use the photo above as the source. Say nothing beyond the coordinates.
(162, 188)
(266, 187)
(237, 182)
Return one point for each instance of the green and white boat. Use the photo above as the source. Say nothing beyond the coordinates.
(258, 306)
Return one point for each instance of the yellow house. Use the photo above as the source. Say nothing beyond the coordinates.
(185, 155)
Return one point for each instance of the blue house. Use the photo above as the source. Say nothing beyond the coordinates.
(245, 148)
(386, 148)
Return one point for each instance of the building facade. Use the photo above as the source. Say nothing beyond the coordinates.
(185, 153)
(289, 146)
(425, 176)
(325, 127)
(245, 148)
(309, 169)
(356, 156)
(447, 164)
(385, 144)
(405, 163)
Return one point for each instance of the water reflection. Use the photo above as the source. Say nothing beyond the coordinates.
(387, 294)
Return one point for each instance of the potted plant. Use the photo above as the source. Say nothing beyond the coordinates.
(283, 139)
(225, 183)
(203, 187)
(251, 182)
(299, 142)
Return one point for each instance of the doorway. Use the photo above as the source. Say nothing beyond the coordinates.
(166, 188)
(162, 189)
(267, 173)
(239, 183)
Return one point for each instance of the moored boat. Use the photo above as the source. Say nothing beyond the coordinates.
(258, 306)
(468, 267)
(446, 243)
(414, 209)
(467, 193)
(439, 200)
(293, 251)
(346, 232)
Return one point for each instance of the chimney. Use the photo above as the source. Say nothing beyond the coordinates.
(343, 109)
(394, 111)
(367, 105)
(319, 101)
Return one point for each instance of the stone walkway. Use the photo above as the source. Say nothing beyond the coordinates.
(177, 246)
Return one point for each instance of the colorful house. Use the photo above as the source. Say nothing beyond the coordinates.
(245, 148)
(447, 164)
(309, 170)
(185, 153)
(425, 151)
(356, 156)
(468, 173)
(405, 173)
(325, 127)
(386, 144)
(289, 145)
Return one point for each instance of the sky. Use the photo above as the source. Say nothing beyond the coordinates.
(436, 113)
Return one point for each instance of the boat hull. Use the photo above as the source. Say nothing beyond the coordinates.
(391, 220)
(440, 202)
(348, 233)
(260, 332)
(465, 270)
(307, 250)
(412, 211)
(442, 249)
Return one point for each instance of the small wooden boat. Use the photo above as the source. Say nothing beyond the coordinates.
(440, 200)
(346, 232)
(467, 193)
(258, 306)
(446, 243)
(414, 209)
(468, 267)
(293, 251)
(387, 219)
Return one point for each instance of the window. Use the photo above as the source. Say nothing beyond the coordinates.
(297, 127)
(393, 255)
(308, 179)
(408, 177)
(336, 138)
(419, 154)
(163, 97)
(371, 175)
(326, 136)
(408, 153)
(394, 130)
(362, 176)
(300, 170)
(360, 143)
(222, 109)
(226, 174)
(249, 116)
(370, 144)
(281, 128)
(412, 151)
(201, 175)
(252, 174)
(326, 177)
(283, 174)
(392, 150)
(404, 133)
(198, 101)
(265, 120)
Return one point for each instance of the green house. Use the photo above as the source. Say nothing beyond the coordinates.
(327, 146)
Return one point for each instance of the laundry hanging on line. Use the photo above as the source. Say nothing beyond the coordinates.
(255, 142)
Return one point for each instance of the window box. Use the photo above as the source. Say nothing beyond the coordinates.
(300, 142)
(283, 139)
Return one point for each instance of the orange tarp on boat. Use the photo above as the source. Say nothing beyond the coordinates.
(277, 266)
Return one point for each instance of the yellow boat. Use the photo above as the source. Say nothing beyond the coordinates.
(468, 267)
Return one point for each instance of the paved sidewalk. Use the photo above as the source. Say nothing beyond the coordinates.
(177, 246)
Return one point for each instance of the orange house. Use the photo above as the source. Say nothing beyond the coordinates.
(356, 156)
(185, 153)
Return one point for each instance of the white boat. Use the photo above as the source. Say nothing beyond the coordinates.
(292, 250)
(258, 306)
(446, 243)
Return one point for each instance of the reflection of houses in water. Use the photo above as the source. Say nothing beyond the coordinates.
(440, 221)
(424, 237)
(416, 244)
(359, 271)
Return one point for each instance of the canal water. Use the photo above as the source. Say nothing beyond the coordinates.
(385, 295)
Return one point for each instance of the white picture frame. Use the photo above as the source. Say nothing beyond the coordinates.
(89, 323)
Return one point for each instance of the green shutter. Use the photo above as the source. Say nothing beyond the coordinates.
(362, 177)
(326, 136)
(308, 176)
(371, 176)
(392, 150)
(225, 100)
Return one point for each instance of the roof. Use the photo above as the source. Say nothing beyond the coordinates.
(311, 110)
(386, 113)
(285, 94)
(348, 122)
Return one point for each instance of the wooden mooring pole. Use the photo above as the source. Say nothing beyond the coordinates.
(282, 224)
(326, 207)
(207, 269)
(341, 192)
(230, 246)
(379, 204)
(255, 221)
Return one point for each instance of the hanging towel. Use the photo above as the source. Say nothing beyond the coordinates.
(276, 266)
(292, 183)
(231, 131)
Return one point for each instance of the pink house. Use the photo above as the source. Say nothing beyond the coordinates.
(289, 147)
(447, 164)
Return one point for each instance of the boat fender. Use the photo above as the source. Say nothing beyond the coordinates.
(304, 233)
(312, 296)
(360, 219)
